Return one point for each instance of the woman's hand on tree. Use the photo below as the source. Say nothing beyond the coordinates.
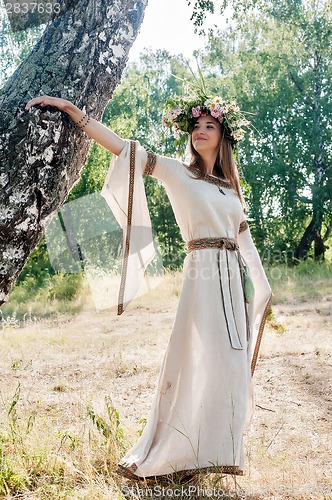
(101, 134)
(46, 100)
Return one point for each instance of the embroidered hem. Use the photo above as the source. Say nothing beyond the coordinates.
(128, 472)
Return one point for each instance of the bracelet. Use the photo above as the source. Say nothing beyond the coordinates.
(85, 117)
(87, 121)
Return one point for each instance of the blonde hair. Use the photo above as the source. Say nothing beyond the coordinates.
(225, 166)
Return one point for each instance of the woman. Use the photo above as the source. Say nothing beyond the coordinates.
(204, 399)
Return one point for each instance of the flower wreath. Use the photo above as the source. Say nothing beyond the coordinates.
(180, 114)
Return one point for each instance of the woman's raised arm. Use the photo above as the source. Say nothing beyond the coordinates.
(101, 134)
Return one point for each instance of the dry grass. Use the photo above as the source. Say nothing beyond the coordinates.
(75, 390)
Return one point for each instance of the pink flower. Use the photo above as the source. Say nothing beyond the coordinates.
(163, 122)
(216, 112)
(173, 114)
(196, 112)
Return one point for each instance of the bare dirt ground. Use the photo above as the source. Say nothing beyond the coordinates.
(64, 364)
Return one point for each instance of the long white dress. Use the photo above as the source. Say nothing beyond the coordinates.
(204, 397)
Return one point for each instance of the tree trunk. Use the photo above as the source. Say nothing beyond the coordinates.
(310, 234)
(319, 248)
(319, 168)
(80, 57)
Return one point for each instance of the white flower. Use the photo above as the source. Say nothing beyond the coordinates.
(209, 103)
(234, 107)
(217, 101)
(243, 123)
(238, 134)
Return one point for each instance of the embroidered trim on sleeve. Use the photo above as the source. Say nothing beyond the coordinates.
(260, 334)
(150, 164)
(129, 226)
(243, 226)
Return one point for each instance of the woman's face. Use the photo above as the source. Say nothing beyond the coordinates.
(206, 135)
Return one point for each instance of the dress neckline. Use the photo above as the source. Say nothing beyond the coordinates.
(212, 179)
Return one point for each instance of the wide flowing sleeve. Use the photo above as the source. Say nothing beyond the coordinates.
(260, 306)
(124, 192)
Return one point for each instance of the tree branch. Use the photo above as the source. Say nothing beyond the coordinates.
(296, 83)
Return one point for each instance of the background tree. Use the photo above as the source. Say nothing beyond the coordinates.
(275, 57)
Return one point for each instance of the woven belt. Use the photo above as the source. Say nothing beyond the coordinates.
(221, 243)
(224, 280)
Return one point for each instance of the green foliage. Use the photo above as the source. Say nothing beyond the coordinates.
(135, 110)
(14, 47)
(65, 287)
(59, 293)
(307, 281)
(38, 460)
(94, 172)
(142, 422)
(200, 9)
(110, 428)
(37, 270)
(172, 247)
(278, 66)
(39, 282)
(10, 481)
